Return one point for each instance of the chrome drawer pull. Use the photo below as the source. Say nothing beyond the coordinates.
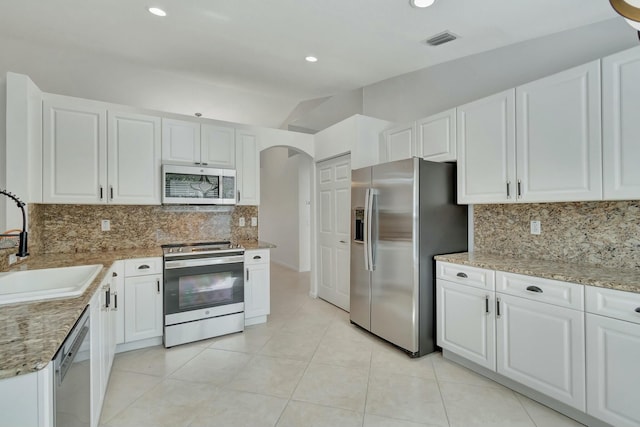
(534, 289)
(257, 257)
(143, 267)
(463, 275)
(638, 310)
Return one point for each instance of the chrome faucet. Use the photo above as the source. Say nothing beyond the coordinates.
(22, 245)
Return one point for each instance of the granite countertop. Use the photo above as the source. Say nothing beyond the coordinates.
(31, 333)
(256, 244)
(586, 274)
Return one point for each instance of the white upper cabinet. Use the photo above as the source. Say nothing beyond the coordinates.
(74, 150)
(555, 155)
(558, 140)
(134, 159)
(180, 141)
(399, 142)
(190, 142)
(486, 149)
(621, 125)
(218, 146)
(436, 137)
(247, 167)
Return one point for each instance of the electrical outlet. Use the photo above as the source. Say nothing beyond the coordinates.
(254, 221)
(13, 259)
(241, 222)
(105, 225)
(535, 227)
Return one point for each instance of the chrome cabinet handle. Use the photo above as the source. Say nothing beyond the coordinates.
(508, 189)
(247, 274)
(342, 241)
(143, 267)
(115, 301)
(257, 257)
(114, 274)
(158, 284)
(486, 304)
(497, 307)
(107, 298)
(519, 188)
(238, 197)
(101, 192)
(534, 289)
(463, 275)
(638, 310)
(111, 191)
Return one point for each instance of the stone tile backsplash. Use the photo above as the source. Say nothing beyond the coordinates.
(76, 228)
(600, 233)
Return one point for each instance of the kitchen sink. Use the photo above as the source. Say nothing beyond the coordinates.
(47, 283)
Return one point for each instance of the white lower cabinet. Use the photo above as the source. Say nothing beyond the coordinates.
(542, 346)
(257, 289)
(143, 307)
(613, 352)
(466, 322)
(27, 399)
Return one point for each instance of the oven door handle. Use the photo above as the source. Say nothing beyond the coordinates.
(198, 262)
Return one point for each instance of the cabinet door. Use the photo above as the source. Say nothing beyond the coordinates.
(218, 147)
(247, 167)
(106, 333)
(257, 291)
(74, 151)
(620, 125)
(558, 136)
(400, 142)
(437, 137)
(134, 159)
(180, 141)
(143, 308)
(466, 322)
(613, 373)
(542, 346)
(486, 150)
(117, 290)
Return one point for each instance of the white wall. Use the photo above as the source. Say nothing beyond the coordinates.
(87, 75)
(280, 205)
(431, 90)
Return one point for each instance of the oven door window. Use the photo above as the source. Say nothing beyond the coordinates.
(203, 287)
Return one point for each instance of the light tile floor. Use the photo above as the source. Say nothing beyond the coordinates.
(307, 366)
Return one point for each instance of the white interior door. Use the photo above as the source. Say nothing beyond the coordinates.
(334, 207)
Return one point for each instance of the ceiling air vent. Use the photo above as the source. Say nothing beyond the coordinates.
(441, 38)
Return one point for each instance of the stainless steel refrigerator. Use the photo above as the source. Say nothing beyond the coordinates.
(402, 214)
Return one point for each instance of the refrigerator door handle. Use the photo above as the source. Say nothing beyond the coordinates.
(366, 230)
(370, 239)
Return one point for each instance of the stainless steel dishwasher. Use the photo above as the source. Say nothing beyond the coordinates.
(72, 377)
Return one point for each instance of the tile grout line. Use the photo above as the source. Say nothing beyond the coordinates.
(444, 406)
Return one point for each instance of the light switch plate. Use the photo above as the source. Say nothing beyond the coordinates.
(254, 221)
(241, 222)
(105, 225)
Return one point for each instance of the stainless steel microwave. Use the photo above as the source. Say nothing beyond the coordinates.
(196, 185)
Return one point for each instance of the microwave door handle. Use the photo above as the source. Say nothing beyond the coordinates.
(365, 237)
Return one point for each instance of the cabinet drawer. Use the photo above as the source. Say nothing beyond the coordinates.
(259, 256)
(142, 266)
(612, 303)
(555, 292)
(465, 275)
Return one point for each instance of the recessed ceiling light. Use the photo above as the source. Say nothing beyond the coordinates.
(311, 59)
(157, 11)
(421, 3)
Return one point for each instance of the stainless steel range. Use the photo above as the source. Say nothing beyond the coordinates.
(203, 291)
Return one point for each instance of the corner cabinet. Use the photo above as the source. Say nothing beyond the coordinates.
(95, 156)
(247, 167)
(620, 125)
(257, 289)
(540, 142)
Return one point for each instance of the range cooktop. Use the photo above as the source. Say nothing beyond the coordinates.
(176, 249)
